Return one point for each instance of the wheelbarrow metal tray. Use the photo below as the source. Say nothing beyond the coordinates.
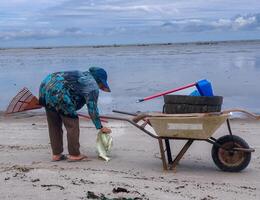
(187, 126)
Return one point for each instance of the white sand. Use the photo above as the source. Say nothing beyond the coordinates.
(27, 173)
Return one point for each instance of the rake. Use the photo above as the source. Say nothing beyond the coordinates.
(25, 100)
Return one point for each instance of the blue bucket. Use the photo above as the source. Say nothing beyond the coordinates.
(204, 88)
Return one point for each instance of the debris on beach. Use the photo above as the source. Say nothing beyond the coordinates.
(92, 195)
(35, 180)
(21, 168)
(120, 189)
(53, 185)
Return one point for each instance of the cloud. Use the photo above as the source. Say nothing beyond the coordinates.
(29, 34)
(28, 4)
(239, 23)
(48, 19)
(40, 34)
(248, 22)
(73, 30)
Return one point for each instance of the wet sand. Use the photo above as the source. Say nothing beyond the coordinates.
(135, 171)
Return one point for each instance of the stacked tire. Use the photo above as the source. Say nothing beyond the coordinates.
(177, 104)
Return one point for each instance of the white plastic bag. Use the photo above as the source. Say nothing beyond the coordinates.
(104, 144)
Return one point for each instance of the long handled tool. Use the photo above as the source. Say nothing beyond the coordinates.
(25, 100)
(203, 86)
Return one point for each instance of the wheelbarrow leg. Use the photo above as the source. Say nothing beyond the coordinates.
(181, 154)
(168, 151)
(165, 167)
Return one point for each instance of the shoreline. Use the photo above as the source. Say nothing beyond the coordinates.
(137, 45)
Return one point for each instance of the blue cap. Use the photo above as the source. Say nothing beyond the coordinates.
(100, 75)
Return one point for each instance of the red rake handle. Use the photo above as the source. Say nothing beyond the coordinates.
(166, 92)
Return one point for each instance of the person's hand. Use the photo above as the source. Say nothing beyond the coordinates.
(105, 130)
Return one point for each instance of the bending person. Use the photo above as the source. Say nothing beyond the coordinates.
(62, 94)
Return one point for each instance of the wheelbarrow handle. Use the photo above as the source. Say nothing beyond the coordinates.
(133, 123)
(137, 118)
(123, 112)
(253, 115)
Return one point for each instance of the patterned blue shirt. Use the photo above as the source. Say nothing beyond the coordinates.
(67, 92)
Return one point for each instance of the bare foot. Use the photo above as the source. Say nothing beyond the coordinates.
(77, 158)
(58, 157)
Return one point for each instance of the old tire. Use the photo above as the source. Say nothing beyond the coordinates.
(177, 104)
(230, 161)
(193, 100)
(187, 108)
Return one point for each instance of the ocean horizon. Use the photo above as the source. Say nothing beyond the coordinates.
(206, 42)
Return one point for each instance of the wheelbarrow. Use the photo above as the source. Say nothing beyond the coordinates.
(230, 152)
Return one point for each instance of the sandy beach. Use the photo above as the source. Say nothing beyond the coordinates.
(134, 172)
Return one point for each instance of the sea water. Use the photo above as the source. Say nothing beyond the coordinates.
(134, 72)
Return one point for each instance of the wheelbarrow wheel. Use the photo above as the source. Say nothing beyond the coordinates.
(231, 161)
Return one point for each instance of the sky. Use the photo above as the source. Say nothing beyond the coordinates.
(35, 23)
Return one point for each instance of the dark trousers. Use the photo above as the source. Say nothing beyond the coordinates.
(55, 121)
